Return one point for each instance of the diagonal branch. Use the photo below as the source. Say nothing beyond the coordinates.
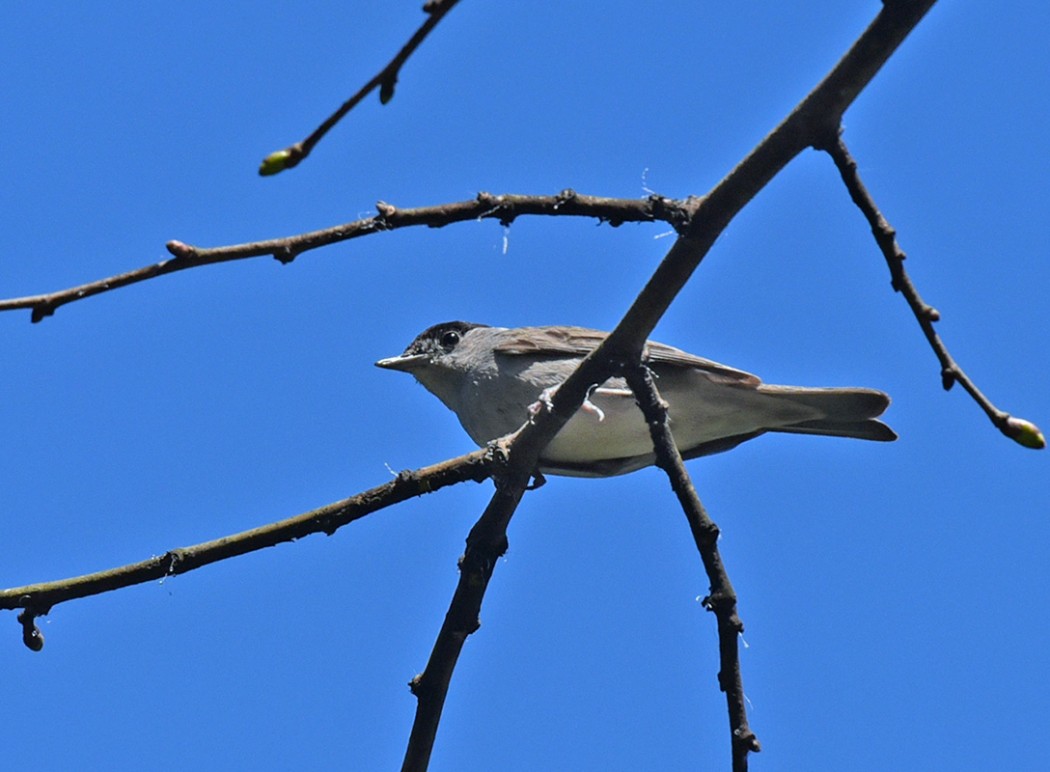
(817, 116)
(39, 599)
(486, 542)
(722, 598)
(485, 206)
(1018, 429)
(385, 81)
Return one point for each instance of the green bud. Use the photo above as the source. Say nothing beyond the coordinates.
(1024, 433)
(274, 163)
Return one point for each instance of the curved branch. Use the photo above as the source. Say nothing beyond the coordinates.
(39, 599)
(1018, 429)
(485, 206)
(385, 81)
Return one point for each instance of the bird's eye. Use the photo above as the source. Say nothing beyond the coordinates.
(449, 339)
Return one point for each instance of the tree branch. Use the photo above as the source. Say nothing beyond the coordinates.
(486, 542)
(722, 598)
(816, 117)
(39, 599)
(485, 206)
(385, 81)
(1018, 429)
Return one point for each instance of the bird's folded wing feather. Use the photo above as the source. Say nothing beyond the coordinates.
(564, 342)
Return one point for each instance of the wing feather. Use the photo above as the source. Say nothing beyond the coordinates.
(573, 342)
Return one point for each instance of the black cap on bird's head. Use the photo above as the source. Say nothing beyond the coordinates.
(441, 338)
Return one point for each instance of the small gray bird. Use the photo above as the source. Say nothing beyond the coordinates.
(494, 378)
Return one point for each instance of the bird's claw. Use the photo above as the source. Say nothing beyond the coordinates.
(544, 401)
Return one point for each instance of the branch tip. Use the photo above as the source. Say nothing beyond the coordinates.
(747, 740)
(180, 250)
(948, 378)
(415, 683)
(722, 601)
(1024, 433)
(31, 635)
(284, 254)
(386, 89)
(41, 311)
(279, 160)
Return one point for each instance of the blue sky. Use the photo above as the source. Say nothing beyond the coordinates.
(894, 595)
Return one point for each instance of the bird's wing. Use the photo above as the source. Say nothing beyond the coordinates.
(571, 342)
(555, 342)
(658, 354)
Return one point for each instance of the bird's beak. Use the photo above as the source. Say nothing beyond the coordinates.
(406, 362)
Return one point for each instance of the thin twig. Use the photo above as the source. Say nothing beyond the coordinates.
(485, 206)
(39, 599)
(722, 598)
(1018, 429)
(385, 81)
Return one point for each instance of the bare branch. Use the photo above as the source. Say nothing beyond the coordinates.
(1018, 429)
(385, 81)
(486, 542)
(39, 599)
(485, 206)
(722, 598)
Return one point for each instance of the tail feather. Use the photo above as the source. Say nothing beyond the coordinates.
(869, 429)
(846, 412)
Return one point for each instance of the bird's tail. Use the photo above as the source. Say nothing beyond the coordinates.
(846, 412)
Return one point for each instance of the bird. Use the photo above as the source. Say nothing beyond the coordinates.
(495, 378)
